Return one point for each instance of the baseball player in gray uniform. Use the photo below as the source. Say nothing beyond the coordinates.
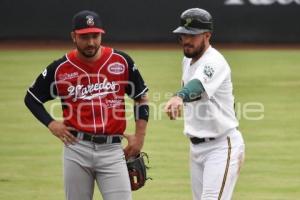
(216, 144)
(92, 81)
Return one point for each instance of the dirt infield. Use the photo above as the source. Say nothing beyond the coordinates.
(51, 44)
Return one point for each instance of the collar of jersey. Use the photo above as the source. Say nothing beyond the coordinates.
(105, 54)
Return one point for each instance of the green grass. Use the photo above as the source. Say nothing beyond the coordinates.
(31, 158)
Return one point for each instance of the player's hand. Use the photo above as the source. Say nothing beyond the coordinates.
(173, 107)
(62, 132)
(134, 146)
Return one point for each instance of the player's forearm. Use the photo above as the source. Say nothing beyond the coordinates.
(38, 110)
(140, 133)
(191, 91)
(140, 130)
(141, 113)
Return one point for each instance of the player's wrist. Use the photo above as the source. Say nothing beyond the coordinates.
(50, 123)
(140, 135)
(179, 95)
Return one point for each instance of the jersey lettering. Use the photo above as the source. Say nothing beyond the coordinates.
(86, 92)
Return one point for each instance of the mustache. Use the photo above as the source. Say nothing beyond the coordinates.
(90, 47)
(188, 45)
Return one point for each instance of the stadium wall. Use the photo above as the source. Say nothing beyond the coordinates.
(269, 21)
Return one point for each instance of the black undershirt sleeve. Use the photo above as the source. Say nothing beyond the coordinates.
(37, 109)
(42, 90)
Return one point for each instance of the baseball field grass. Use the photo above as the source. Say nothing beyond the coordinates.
(267, 94)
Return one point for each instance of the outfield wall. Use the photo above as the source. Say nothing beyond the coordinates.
(269, 21)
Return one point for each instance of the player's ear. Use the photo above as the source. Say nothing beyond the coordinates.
(208, 35)
(73, 36)
(179, 38)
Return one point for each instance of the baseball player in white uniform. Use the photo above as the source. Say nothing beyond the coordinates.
(216, 144)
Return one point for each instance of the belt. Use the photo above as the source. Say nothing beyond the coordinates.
(196, 140)
(99, 139)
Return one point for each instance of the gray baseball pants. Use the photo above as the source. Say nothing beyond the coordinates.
(86, 163)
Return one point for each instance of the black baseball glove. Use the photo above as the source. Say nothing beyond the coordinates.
(137, 171)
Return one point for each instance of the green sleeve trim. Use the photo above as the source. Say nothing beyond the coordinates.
(191, 91)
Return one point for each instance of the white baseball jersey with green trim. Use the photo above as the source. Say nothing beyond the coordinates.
(213, 115)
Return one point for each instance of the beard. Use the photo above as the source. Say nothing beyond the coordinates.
(89, 51)
(192, 51)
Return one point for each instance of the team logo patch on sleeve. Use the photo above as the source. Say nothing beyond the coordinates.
(116, 68)
(208, 71)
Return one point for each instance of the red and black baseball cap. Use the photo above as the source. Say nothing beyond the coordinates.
(87, 22)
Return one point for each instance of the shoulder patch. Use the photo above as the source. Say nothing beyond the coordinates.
(208, 71)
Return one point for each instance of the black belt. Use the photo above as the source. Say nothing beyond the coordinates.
(196, 140)
(99, 139)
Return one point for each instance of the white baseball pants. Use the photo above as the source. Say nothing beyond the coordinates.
(215, 166)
